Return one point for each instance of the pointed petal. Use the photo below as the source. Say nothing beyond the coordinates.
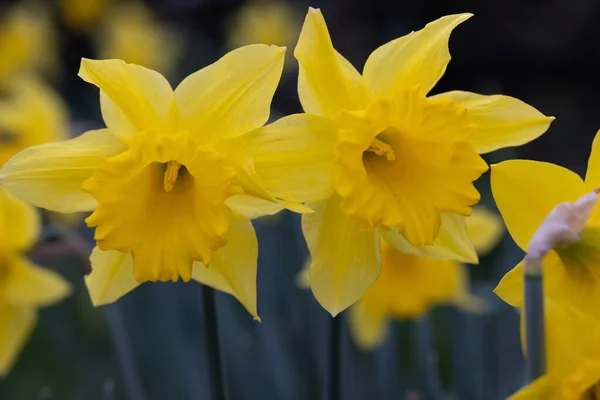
(526, 191)
(16, 325)
(451, 243)
(592, 177)
(368, 326)
(346, 256)
(111, 277)
(501, 121)
(250, 207)
(30, 285)
(20, 223)
(485, 229)
(133, 98)
(231, 96)
(233, 269)
(327, 82)
(241, 159)
(50, 175)
(417, 59)
(294, 157)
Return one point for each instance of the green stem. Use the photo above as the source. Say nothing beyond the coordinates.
(212, 345)
(535, 337)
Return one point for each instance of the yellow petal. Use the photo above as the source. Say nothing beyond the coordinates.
(231, 96)
(250, 207)
(16, 325)
(501, 121)
(574, 284)
(294, 157)
(50, 175)
(592, 177)
(19, 224)
(233, 269)
(451, 243)
(417, 59)
(133, 98)
(368, 326)
(485, 229)
(327, 82)
(526, 191)
(111, 277)
(241, 159)
(546, 387)
(571, 337)
(30, 285)
(346, 257)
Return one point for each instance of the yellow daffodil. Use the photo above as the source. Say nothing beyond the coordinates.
(405, 162)
(24, 286)
(526, 192)
(27, 42)
(82, 15)
(31, 113)
(130, 32)
(409, 285)
(573, 355)
(177, 174)
(264, 21)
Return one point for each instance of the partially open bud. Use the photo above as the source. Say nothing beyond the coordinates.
(560, 229)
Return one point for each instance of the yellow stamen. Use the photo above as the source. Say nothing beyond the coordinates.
(382, 149)
(171, 175)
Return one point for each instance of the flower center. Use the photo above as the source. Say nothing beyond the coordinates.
(382, 149)
(171, 173)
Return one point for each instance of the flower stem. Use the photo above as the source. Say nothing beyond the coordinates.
(425, 357)
(118, 333)
(535, 338)
(334, 366)
(211, 341)
(75, 244)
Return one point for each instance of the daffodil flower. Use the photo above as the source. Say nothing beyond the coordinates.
(405, 162)
(24, 286)
(526, 192)
(573, 354)
(175, 177)
(27, 42)
(131, 32)
(410, 285)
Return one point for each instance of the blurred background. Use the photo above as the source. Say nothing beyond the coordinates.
(547, 53)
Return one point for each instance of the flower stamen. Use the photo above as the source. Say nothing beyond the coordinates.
(382, 149)
(171, 175)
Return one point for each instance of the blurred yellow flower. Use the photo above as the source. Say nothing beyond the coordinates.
(31, 113)
(82, 15)
(573, 356)
(526, 192)
(24, 286)
(409, 285)
(27, 42)
(405, 162)
(264, 21)
(130, 32)
(176, 176)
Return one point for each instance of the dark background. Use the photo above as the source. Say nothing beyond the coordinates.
(543, 52)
